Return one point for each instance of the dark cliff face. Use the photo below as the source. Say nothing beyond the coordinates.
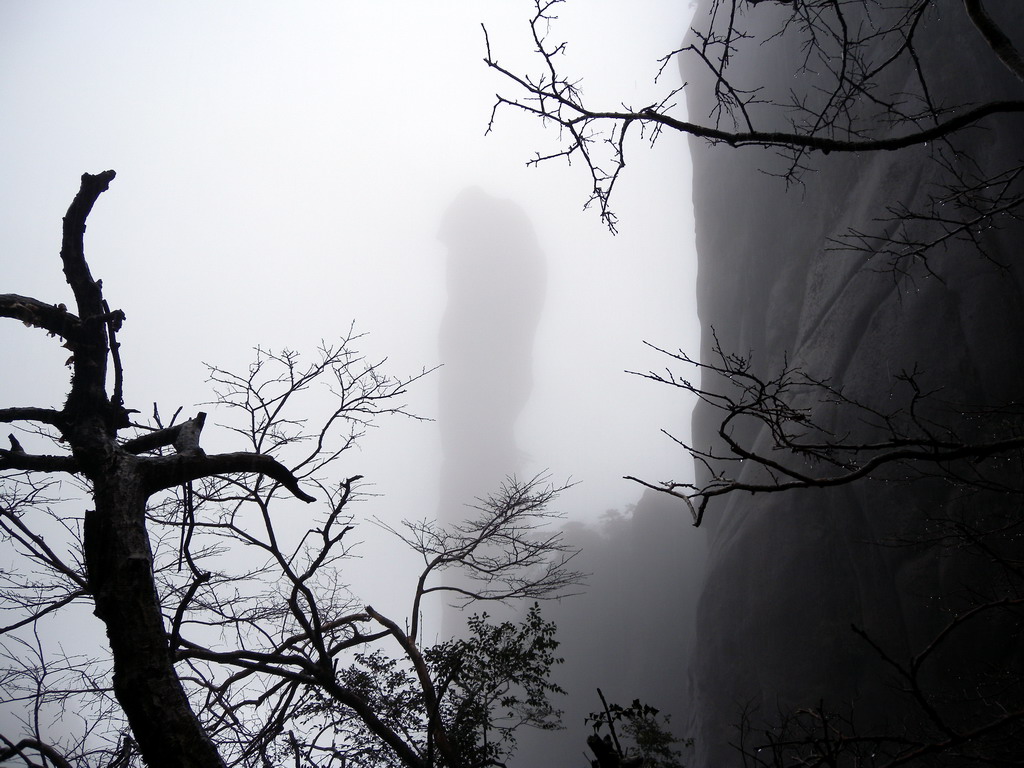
(789, 573)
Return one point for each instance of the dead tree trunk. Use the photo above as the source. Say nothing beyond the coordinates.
(116, 545)
(120, 565)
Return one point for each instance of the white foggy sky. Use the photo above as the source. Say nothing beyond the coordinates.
(282, 170)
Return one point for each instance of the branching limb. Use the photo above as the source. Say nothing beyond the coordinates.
(849, 105)
(503, 551)
(19, 460)
(998, 41)
(87, 291)
(24, 747)
(41, 415)
(184, 437)
(803, 453)
(953, 214)
(165, 472)
(52, 318)
(426, 682)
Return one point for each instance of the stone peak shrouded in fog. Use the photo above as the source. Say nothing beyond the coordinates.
(495, 279)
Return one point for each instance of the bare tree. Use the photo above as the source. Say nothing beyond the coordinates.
(231, 633)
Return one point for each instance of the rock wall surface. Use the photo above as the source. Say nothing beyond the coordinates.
(789, 573)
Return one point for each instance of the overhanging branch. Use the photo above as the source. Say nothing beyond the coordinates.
(788, 408)
(1001, 45)
(164, 472)
(19, 460)
(72, 253)
(54, 318)
(41, 415)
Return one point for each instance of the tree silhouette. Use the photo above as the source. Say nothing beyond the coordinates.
(232, 638)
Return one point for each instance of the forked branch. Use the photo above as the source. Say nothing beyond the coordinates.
(801, 451)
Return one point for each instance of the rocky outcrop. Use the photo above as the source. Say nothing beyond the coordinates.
(789, 573)
(496, 276)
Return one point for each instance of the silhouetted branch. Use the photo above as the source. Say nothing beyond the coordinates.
(998, 41)
(162, 438)
(168, 471)
(955, 213)
(42, 415)
(963, 724)
(503, 551)
(802, 452)
(24, 746)
(32, 312)
(848, 107)
(19, 460)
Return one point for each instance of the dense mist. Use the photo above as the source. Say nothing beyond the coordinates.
(289, 175)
